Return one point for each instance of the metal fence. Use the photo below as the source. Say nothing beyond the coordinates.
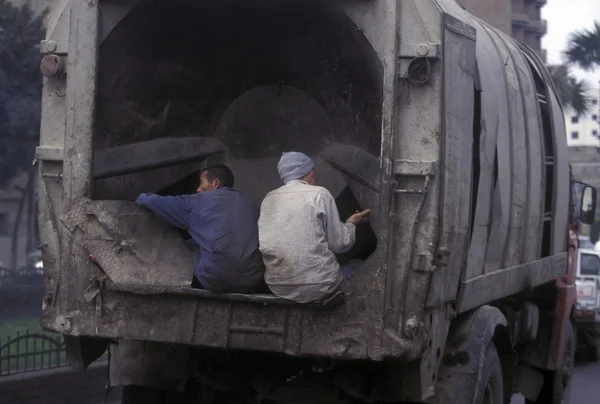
(27, 351)
(30, 352)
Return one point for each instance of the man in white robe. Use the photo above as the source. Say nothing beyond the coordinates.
(300, 232)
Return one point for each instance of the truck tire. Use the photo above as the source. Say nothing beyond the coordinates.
(557, 383)
(460, 384)
(491, 390)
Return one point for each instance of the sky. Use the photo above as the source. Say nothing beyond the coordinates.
(564, 17)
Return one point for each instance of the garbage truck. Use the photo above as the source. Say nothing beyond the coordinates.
(447, 129)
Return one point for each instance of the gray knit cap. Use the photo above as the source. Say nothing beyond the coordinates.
(293, 166)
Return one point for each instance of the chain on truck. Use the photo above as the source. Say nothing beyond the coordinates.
(450, 131)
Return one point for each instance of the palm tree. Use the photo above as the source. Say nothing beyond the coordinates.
(583, 49)
(572, 92)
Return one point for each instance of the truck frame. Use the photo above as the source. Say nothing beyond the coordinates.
(450, 131)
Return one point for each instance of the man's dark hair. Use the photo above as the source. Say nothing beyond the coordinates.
(222, 172)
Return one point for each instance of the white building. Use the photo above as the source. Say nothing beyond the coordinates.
(585, 130)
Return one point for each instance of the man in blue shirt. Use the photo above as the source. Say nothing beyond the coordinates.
(223, 223)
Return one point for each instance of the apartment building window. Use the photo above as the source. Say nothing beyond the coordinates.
(594, 117)
(595, 133)
(574, 135)
(574, 119)
(595, 101)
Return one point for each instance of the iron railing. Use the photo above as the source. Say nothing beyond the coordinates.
(30, 352)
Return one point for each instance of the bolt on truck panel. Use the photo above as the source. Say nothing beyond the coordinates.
(447, 129)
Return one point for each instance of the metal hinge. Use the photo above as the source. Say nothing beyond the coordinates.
(56, 47)
(44, 153)
(443, 255)
(415, 167)
(426, 263)
(424, 49)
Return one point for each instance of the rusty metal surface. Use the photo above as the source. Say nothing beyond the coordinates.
(492, 123)
(80, 113)
(517, 176)
(345, 331)
(130, 245)
(535, 184)
(511, 156)
(413, 203)
(509, 281)
(502, 190)
(457, 161)
(202, 294)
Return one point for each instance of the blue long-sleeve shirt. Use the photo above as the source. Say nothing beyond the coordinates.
(223, 223)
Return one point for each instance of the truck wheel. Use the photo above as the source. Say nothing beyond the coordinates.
(491, 390)
(459, 384)
(557, 384)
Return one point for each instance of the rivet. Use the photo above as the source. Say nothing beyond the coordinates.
(423, 50)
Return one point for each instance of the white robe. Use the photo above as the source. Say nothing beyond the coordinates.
(299, 231)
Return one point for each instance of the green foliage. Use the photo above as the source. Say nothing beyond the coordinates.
(20, 353)
(20, 88)
(572, 92)
(583, 49)
(20, 326)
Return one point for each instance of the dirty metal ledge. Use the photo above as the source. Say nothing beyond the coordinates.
(261, 299)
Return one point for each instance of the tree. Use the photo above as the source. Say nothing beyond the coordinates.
(583, 48)
(21, 84)
(572, 92)
(20, 100)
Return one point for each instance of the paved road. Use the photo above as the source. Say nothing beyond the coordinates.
(586, 385)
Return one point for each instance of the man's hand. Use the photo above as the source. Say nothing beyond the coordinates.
(359, 217)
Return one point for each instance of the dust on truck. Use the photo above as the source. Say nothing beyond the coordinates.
(450, 131)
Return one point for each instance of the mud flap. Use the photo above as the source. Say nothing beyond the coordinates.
(83, 351)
